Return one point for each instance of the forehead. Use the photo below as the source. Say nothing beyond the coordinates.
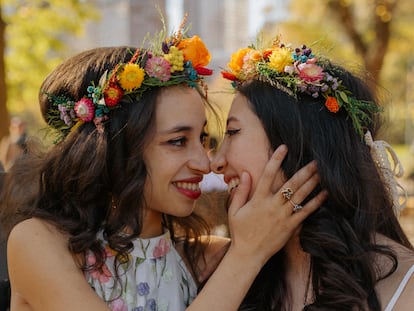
(179, 104)
(240, 108)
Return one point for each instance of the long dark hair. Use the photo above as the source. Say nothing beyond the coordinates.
(92, 180)
(339, 236)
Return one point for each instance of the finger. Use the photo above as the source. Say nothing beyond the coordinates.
(241, 193)
(301, 177)
(302, 191)
(271, 171)
(309, 207)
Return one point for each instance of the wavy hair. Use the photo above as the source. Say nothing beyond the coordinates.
(78, 182)
(340, 235)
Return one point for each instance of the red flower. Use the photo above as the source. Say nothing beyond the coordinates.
(203, 71)
(229, 76)
(267, 53)
(332, 104)
(113, 94)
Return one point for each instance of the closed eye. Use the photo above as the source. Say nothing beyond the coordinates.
(232, 132)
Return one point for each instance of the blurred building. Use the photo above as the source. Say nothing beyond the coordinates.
(224, 25)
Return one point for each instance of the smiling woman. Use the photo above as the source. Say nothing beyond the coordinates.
(105, 216)
(351, 254)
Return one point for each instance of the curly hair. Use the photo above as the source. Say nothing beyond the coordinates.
(340, 235)
(76, 183)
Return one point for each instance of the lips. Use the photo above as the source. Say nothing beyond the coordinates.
(189, 187)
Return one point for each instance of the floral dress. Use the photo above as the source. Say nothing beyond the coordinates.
(154, 279)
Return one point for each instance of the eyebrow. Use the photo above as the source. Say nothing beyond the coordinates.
(229, 119)
(180, 128)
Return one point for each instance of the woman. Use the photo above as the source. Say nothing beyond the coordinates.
(351, 254)
(105, 218)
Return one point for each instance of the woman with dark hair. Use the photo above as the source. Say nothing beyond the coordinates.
(351, 254)
(104, 218)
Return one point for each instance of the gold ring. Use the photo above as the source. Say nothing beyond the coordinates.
(287, 193)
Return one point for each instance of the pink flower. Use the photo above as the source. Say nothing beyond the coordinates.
(158, 67)
(103, 275)
(310, 72)
(118, 305)
(161, 249)
(84, 109)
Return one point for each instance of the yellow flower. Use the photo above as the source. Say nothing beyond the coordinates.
(176, 59)
(237, 60)
(194, 50)
(280, 58)
(131, 77)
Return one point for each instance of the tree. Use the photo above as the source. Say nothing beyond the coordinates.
(34, 43)
(371, 41)
(371, 35)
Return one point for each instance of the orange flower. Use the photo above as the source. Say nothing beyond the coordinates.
(195, 51)
(332, 104)
(237, 60)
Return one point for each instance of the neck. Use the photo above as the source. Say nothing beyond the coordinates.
(297, 274)
(151, 224)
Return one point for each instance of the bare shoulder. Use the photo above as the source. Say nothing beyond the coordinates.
(44, 273)
(35, 241)
(35, 235)
(399, 284)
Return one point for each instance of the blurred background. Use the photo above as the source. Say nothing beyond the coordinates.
(371, 35)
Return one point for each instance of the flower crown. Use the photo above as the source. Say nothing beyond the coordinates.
(177, 59)
(298, 71)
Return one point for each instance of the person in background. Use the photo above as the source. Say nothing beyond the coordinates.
(351, 254)
(13, 145)
(105, 221)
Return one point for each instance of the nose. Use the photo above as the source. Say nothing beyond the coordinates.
(200, 161)
(218, 162)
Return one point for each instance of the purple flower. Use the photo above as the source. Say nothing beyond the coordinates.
(143, 289)
(151, 305)
(67, 120)
(72, 114)
(324, 88)
(335, 84)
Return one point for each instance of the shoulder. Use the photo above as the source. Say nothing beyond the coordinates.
(32, 231)
(44, 273)
(400, 285)
(36, 241)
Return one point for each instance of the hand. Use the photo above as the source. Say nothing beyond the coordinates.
(262, 226)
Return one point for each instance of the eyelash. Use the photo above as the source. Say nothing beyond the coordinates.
(181, 141)
(178, 141)
(232, 132)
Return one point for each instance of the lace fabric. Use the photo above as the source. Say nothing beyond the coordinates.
(381, 153)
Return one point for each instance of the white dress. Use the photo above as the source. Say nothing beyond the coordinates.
(154, 279)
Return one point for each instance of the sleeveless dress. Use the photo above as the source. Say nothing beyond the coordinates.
(154, 279)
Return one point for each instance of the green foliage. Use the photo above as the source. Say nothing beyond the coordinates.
(312, 21)
(35, 43)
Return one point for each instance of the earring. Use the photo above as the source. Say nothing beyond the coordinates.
(113, 204)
